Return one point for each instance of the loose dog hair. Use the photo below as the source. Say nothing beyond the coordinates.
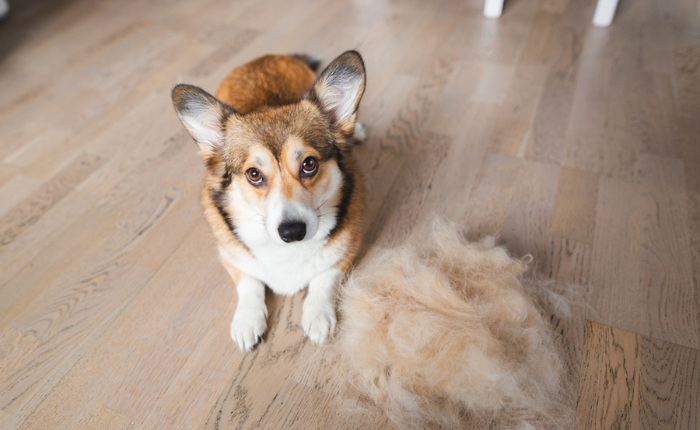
(446, 334)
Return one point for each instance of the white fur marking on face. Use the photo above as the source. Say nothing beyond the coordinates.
(327, 201)
(281, 210)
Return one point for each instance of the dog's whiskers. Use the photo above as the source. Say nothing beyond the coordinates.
(322, 203)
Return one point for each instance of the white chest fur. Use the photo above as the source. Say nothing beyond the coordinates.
(287, 269)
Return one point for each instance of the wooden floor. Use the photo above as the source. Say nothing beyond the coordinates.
(576, 144)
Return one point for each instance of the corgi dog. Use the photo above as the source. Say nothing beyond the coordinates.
(282, 192)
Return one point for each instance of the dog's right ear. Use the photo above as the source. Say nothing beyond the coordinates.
(203, 116)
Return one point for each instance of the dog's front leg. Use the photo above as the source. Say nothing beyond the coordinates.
(249, 322)
(318, 313)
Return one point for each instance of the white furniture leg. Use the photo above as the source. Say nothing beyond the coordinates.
(493, 8)
(604, 13)
(4, 9)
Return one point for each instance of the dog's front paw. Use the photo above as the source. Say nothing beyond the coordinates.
(318, 319)
(247, 328)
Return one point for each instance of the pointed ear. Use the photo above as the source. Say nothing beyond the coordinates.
(338, 90)
(203, 116)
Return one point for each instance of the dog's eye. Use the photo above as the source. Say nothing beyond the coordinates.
(309, 166)
(254, 176)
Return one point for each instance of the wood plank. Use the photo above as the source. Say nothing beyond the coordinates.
(541, 47)
(488, 202)
(455, 103)
(189, 397)
(616, 256)
(101, 418)
(687, 73)
(402, 138)
(299, 407)
(528, 230)
(246, 397)
(657, 36)
(7, 421)
(27, 155)
(42, 235)
(22, 392)
(574, 211)
(502, 40)
(694, 234)
(585, 140)
(233, 44)
(515, 119)
(7, 172)
(669, 384)
(627, 101)
(28, 212)
(494, 83)
(402, 209)
(164, 313)
(91, 290)
(83, 256)
(665, 240)
(555, 105)
(687, 132)
(461, 170)
(15, 190)
(15, 347)
(609, 387)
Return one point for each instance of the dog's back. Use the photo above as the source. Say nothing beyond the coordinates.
(271, 80)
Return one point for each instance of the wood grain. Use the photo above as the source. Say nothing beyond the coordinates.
(665, 236)
(652, 384)
(669, 384)
(556, 101)
(101, 418)
(25, 214)
(573, 215)
(609, 385)
(616, 256)
(15, 190)
(298, 407)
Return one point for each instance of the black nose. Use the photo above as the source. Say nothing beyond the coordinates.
(292, 231)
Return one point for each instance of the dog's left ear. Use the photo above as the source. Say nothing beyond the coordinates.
(338, 90)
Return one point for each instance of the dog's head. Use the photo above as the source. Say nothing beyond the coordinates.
(280, 171)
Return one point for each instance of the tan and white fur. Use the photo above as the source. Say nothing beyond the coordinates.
(282, 192)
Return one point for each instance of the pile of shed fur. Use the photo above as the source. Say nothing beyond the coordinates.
(446, 334)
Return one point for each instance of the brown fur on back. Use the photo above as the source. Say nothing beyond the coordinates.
(271, 80)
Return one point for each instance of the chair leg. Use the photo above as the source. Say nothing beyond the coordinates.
(4, 9)
(604, 13)
(493, 8)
